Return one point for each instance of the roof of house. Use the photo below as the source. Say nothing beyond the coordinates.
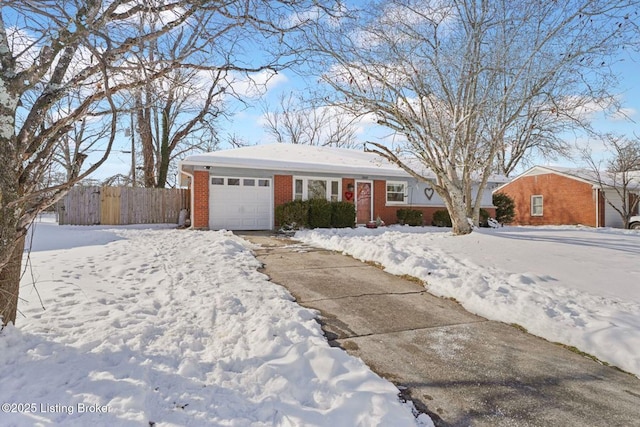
(586, 175)
(296, 157)
(310, 158)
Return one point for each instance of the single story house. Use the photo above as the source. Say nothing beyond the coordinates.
(239, 189)
(550, 195)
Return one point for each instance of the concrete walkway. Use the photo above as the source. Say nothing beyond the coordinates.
(461, 369)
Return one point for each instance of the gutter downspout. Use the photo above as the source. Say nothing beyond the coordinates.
(597, 206)
(191, 196)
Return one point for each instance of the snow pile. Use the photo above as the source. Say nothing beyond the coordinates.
(155, 326)
(573, 285)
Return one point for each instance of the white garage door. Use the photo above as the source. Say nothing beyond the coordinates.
(240, 203)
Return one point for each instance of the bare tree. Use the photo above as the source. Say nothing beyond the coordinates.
(51, 48)
(296, 121)
(172, 120)
(176, 113)
(82, 138)
(463, 81)
(619, 177)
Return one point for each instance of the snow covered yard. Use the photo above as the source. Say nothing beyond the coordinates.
(574, 285)
(164, 327)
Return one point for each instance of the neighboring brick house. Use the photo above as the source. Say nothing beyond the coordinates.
(239, 189)
(545, 195)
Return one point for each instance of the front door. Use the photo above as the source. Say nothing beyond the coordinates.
(364, 199)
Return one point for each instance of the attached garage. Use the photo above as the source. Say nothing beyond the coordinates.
(240, 203)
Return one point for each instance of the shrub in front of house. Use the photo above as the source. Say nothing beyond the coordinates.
(293, 215)
(343, 215)
(320, 213)
(441, 218)
(505, 208)
(410, 217)
(315, 213)
(484, 218)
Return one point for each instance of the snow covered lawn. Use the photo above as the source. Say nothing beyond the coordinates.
(156, 326)
(574, 285)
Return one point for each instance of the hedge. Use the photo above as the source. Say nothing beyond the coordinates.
(293, 215)
(410, 217)
(316, 213)
(343, 215)
(505, 208)
(441, 218)
(320, 213)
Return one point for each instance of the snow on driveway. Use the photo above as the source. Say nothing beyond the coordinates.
(155, 326)
(574, 285)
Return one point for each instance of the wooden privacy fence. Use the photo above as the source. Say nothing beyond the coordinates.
(122, 205)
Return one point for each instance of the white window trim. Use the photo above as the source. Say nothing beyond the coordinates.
(406, 193)
(541, 205)
(305, 186)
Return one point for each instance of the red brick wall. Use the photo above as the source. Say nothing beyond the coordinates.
(282, 189)
(345, 183)
(566, 201)
(389, 213)
(200, 199)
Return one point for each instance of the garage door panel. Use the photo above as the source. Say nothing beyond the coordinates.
(247, 206)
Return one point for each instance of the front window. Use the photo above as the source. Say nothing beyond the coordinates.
(335, 191)
(396, 192)
(298, 192)
(536, 205)
(316, 188)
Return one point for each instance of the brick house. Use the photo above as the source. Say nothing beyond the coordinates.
(239, 189)
(545, 195)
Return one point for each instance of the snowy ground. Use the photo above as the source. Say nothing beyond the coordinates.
(574, 285)
(155, 326)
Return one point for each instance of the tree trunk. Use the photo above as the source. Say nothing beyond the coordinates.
(165, 151)
(459, 220)
(457, 211)
(146, 140)
(10, 284)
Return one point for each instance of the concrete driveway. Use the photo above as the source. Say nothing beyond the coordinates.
(461, 369)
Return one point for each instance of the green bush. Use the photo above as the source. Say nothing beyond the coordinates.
(320, 213)
(441, 218)
(315, 213)
(484, 218)
(409, 216)
(293, 215)
(343, 215)
(505, 208)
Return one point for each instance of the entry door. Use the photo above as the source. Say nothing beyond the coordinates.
(364, 202)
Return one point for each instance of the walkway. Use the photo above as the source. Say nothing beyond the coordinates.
(461, 369)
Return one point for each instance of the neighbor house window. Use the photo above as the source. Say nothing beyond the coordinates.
(536, 205)
(217, 181)
(233, 181)
(396, 192)
(316, 188)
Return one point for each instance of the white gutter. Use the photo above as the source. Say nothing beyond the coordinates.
(191, 196)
